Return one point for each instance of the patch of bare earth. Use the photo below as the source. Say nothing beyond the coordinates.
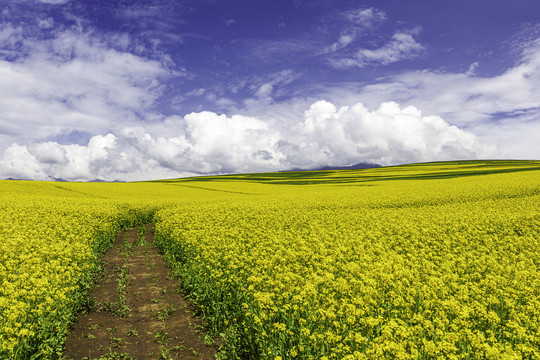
(135, 310)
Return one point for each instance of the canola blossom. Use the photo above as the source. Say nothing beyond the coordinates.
(49, 248)
(422, 261)
(403, 266)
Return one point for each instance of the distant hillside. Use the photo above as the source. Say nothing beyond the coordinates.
(105, 181)
(51, 178)
(351, 167)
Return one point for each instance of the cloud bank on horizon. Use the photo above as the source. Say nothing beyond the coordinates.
(208, 143)
(161, 89)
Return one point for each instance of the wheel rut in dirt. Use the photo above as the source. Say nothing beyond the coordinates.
(135, 310)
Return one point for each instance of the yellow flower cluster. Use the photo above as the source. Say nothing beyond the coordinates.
(50, 239)
(427, 261)
(410, 264)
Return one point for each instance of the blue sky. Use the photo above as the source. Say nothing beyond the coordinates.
(152, 89)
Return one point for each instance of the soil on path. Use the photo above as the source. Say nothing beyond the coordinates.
(136, 310)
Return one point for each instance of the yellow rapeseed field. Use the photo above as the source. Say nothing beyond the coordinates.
(425, 261)
(50, 237)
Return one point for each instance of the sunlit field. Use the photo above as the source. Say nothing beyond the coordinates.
(422, 261)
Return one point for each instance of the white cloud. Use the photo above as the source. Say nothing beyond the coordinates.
(47, 23)
(48, 153)
(388, 135)
(365, 18)
(402, 46)
(265, 90)
(72, 81)
(9, 35)
(230, 144)
(17, 162)
(206, 142)
(466, 99)
(264, 87)
(341, 43)
(472, 68)
(357, 22)
(503, 109)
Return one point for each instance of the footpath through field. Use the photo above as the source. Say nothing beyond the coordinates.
(135, 310)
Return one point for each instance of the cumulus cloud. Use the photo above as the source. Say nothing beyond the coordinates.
(48, 153)
(79, 105)
(208, 143)
(502, 109)
(388, 135)
(47, 160)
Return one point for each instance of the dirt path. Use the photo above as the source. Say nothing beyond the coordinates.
(135, 310)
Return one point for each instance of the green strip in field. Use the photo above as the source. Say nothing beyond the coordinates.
(421, 171)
